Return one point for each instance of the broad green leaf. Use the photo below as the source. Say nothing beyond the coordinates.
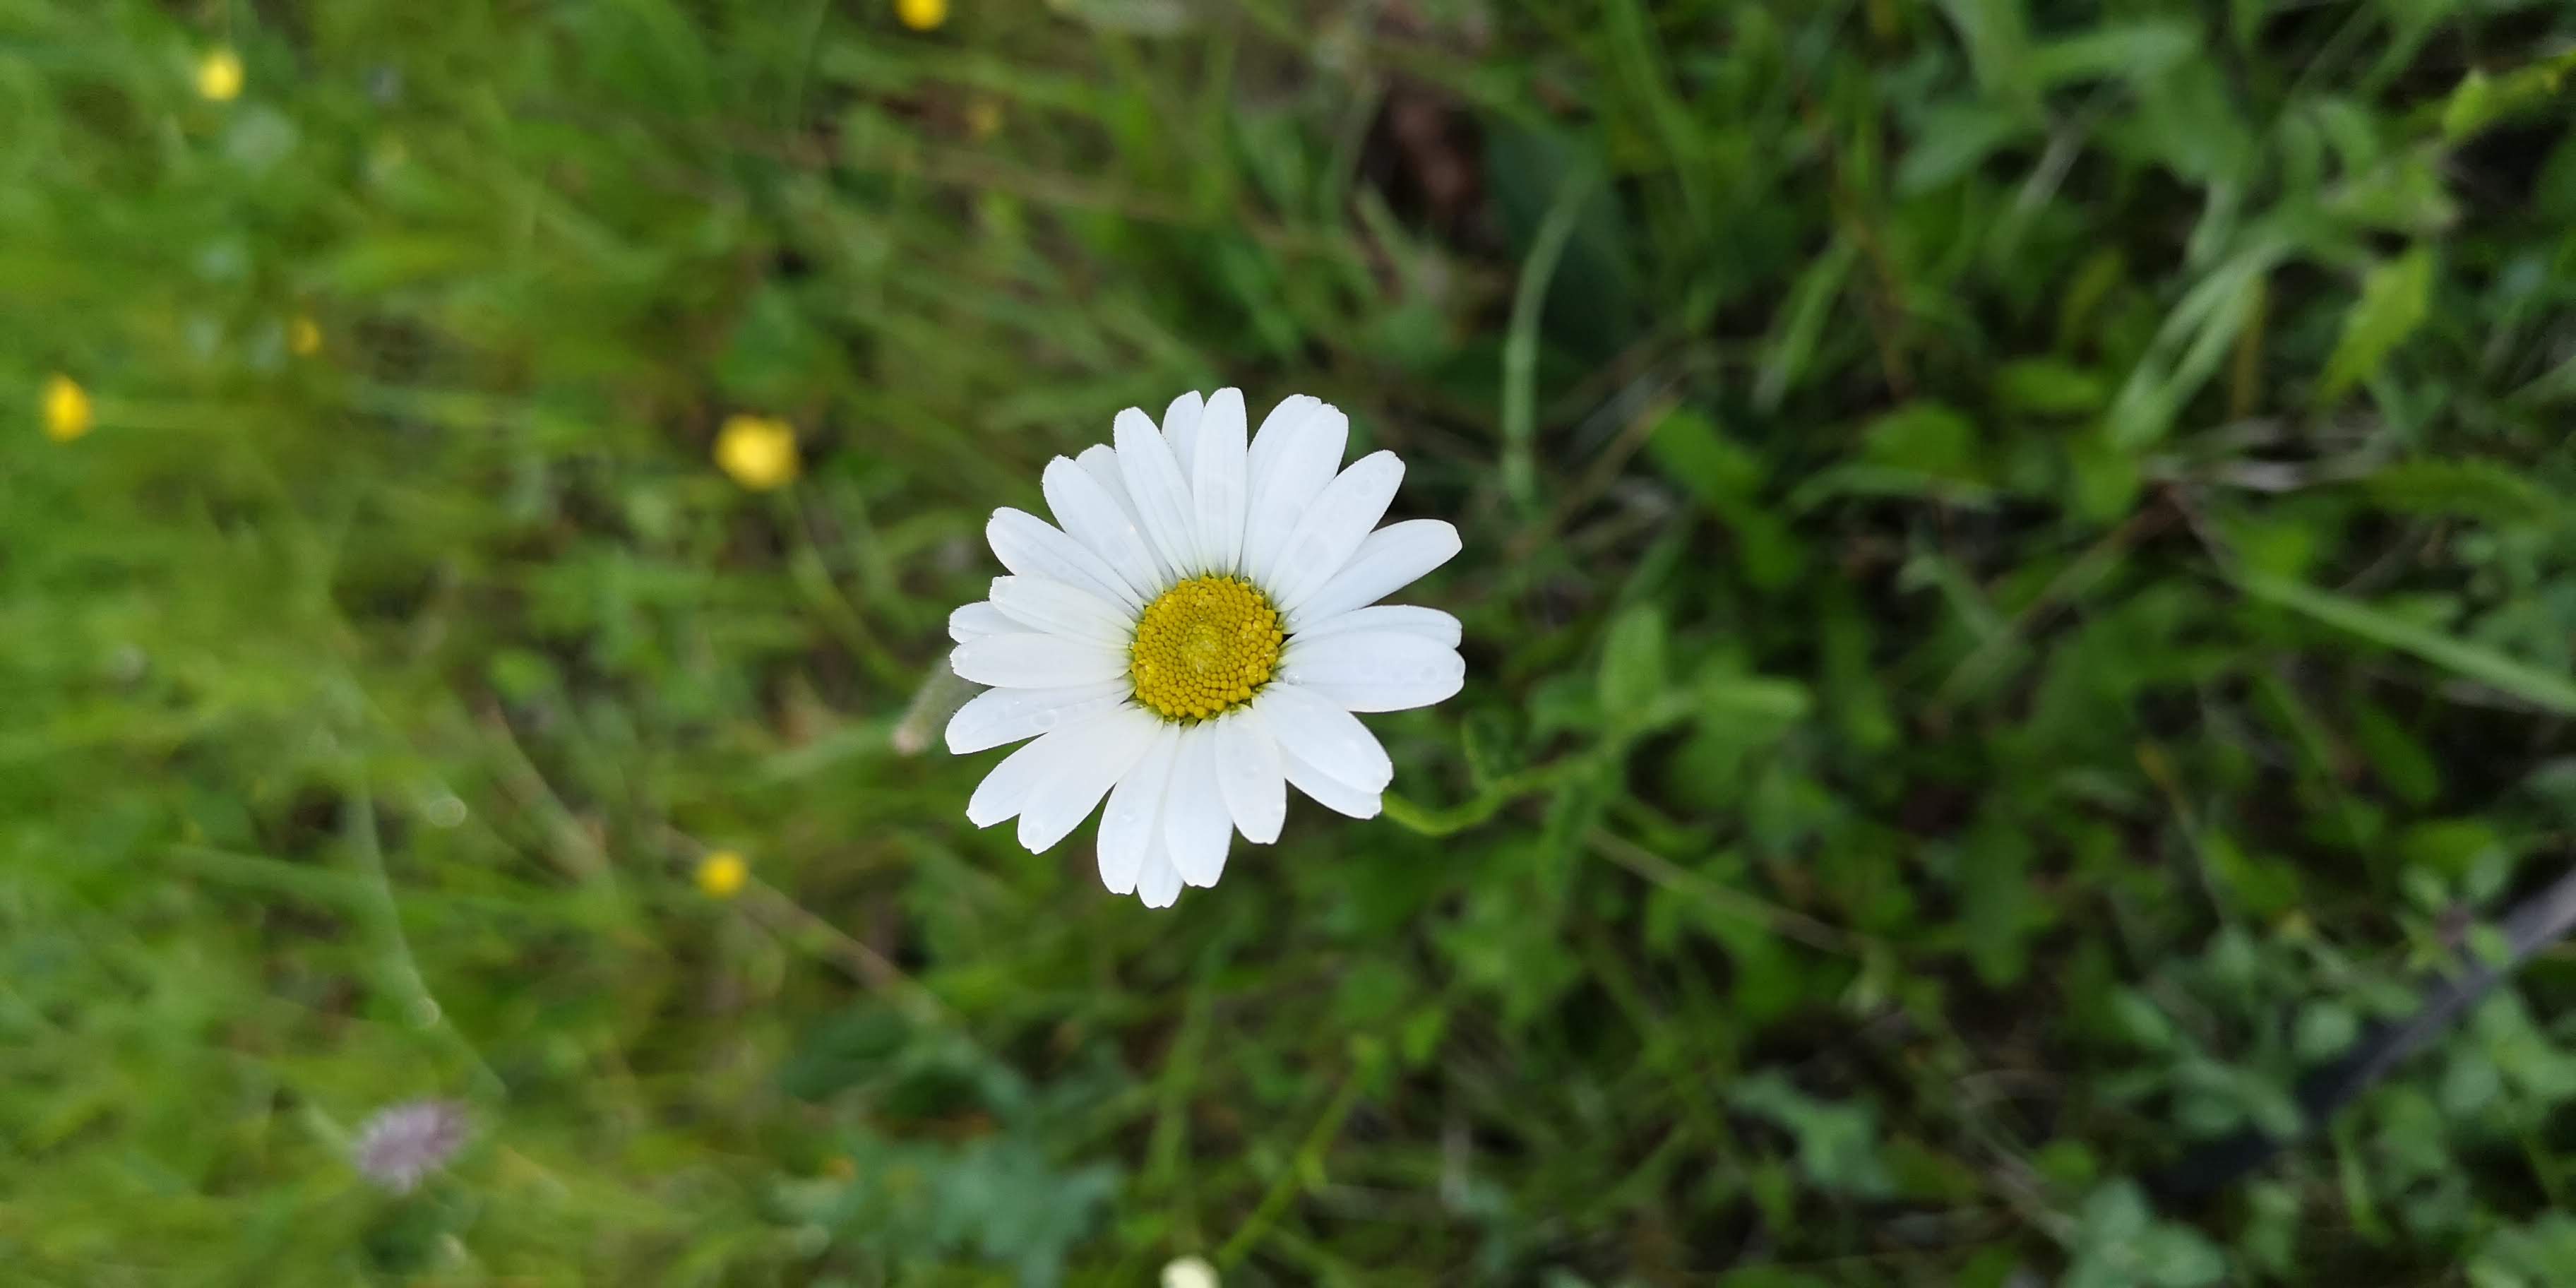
(1633, 669)
(2325, 1029)
(2049, 387)
(1928, 439)
(1997, 34)
(2393, 300)
(1838, 1144)
(2465, 487)
(2480, 100)
(2133, 51)
(2396, 755)
(1955, 139)
(1688, 446)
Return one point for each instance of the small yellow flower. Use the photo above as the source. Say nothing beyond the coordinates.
(67, 409)
(759, 452)
(303, 337)
(841, 1167)
(983, 118)
(721, 874)
(922, 15)
(219, 75)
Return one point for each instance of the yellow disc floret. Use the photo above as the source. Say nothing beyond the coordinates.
(1203, 648)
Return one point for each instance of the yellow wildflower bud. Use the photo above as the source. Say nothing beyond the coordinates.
(760, 453)
(67, 410)
(219, 75)
(721, 874)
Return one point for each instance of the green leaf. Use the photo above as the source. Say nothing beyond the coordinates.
(2480, 100)
(2325, 1030)
(2472, 661)
(2448, 846)
(1802, 320)
(2394, 297)
(2130, 51)
(2263, 884)
(2195, 337)
(2396, 756)
(2049, 387)
(2467, 487)
(1956, 138)
(1688, 447)
(1837, 1143)
(1927, 439)
(1999, 904)
(1997, 34)
(1633, 668)
(1727, 478)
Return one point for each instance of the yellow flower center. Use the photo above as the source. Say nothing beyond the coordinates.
(1204, 648)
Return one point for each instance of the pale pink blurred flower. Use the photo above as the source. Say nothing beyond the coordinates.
(403, 1143)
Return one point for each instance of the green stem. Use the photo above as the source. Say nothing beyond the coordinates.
(1309, 1162)
(1431, 821)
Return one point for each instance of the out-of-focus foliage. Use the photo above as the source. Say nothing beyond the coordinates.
(2018, 585)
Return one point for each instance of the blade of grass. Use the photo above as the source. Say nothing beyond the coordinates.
(2470, 661)
(1520, 345)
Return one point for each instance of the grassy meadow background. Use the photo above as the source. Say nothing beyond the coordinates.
(2019, 585)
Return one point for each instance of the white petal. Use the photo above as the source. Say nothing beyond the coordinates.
(1392, 558)
(1330, 792)
(1334, 526)
(1325, 736)
(1408, 619)
(1033, 661)
(1032, 547)
(1100, 461)
(1005, 791)
(980, 618)
(1060, 803)
(1374, 670)
(1159, 885)
(1131, 829)
(997, 716)
(1181, 428)
(1092, 515)
(1273, 436)
(1054, 608)
(1217, 481)
(1162, 499)
(1196, 828)
(1290, 464)
(1249, 774)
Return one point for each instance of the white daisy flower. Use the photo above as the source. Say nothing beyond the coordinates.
(1195, 637)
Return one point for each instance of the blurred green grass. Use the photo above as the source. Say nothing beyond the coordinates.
(2018, 591)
